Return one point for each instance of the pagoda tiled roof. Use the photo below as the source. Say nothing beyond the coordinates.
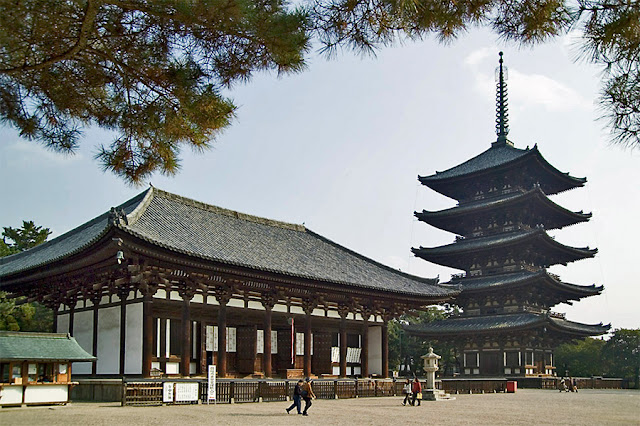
(500, 323)
(452, 254)
(227, 237)
(23, 346)
(501, 157)
(455, 219)
(520, 278)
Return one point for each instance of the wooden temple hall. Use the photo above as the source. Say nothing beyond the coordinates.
(165, 285)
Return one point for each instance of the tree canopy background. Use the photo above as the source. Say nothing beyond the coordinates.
(153, 71)
(23, 316)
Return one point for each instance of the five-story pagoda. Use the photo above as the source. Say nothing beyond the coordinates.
(506, 327)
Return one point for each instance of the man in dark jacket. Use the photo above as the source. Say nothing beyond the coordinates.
(297, 398)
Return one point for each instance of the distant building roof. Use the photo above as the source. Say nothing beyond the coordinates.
(23, 346)
(458, 219)
(212, 233)
(451, 254)
(502, 323)
(501, 157)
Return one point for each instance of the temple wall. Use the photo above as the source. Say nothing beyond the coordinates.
(108, 341)
(375, 350)
(63, 323)
(83, 333)
(133, 340)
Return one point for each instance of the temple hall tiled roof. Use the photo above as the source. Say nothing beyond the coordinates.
(212, 233)
(21, 346)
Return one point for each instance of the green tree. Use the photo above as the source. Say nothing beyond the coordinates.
(407, 350)
(152, 70)
(16, 316)
(580, 358)
(621, 354)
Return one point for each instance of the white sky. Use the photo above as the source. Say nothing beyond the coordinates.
(339, 148)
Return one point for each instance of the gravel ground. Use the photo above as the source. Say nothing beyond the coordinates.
(525, 407)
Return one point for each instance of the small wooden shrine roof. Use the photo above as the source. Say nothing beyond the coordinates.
(500, 323)
(453, 254)
(212, 233)
(23, 346)
(500, 158)
(457, 219)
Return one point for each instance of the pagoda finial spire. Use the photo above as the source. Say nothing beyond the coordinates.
(502, 110)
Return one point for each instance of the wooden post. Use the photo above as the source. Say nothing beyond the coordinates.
(123, 294)
(307, 344)
(268, 372)
(72, 308)
(185, 360)
(186, 290)
(222, 340)
(364, 353)
(147, 334)
(385, 349)
(96, 302)
(223, 295)
(343, 345)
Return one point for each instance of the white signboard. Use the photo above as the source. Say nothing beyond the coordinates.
(167, 392)
(211, 379)
(186, 392)
(260, 342)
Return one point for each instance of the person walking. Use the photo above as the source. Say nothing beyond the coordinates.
(307, 395)
(416, 389)
(406, 390)
(297, 398)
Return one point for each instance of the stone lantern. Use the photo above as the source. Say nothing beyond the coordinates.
(430, 367)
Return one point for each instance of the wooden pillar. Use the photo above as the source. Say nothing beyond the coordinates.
(385, 348)
(343, 342)
(268, 370)
(223, 295)
(307, 344)
(123, 293)
(96, 302)
(72, 308)
(222, 341)
(54, 308)
(185, 360)
(163, 344)
(268, 301)
(364, 354)
(147, 334)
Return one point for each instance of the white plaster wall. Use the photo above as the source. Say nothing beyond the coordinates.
(375, 350)
(63, 323)
(197, 298)
(83, 332)
(333, 314)
(280, 308)
(133, 340)
(236, 303)
(46, 394)
(109, 340)
(160, 294)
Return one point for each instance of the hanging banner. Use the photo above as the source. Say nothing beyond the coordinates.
(211, 381)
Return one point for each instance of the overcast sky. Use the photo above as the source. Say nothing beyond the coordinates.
(339, 148)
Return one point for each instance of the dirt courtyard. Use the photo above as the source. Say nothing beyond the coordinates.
(525, 407)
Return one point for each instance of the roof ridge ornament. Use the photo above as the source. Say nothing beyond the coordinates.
(502, 105)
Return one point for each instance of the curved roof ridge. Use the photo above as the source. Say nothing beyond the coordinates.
(227, 212)
(39, 255)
